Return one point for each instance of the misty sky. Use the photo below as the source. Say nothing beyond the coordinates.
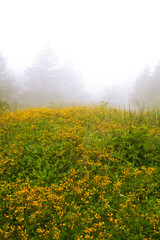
(109, 41)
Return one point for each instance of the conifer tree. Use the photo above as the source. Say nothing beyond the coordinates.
(8, 88)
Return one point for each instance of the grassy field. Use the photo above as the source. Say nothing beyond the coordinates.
(79, 173)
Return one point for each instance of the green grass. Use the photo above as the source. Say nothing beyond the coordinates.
(79, 173)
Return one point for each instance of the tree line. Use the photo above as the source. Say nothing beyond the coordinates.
(45, 82)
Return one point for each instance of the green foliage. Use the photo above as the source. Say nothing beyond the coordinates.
(79, 173)
(137, 146)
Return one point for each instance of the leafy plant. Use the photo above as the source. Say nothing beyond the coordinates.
(79, 173)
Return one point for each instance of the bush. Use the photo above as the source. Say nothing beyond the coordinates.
(4, 105)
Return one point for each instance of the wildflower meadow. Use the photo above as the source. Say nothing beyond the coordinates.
(86, 172)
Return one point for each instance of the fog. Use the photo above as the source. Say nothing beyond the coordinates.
(80, 52)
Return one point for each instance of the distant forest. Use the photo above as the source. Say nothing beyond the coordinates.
(48, 82)
(45, 82)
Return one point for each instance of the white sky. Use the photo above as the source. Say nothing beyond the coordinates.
(110, 41)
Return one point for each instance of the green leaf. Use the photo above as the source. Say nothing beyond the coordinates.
(94, 167)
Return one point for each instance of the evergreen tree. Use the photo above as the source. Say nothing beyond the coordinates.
(49, 82)
(142, 83)
(155, 87)
(8, 88)
(42, 77)
(147, 87)
(71, 86)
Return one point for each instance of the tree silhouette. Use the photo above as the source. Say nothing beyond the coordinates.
(42, 77)
(142, 86)
(147, 87)
(8, 88)
(49, 82)
(71, 86)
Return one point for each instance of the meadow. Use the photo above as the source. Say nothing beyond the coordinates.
(87, 172)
